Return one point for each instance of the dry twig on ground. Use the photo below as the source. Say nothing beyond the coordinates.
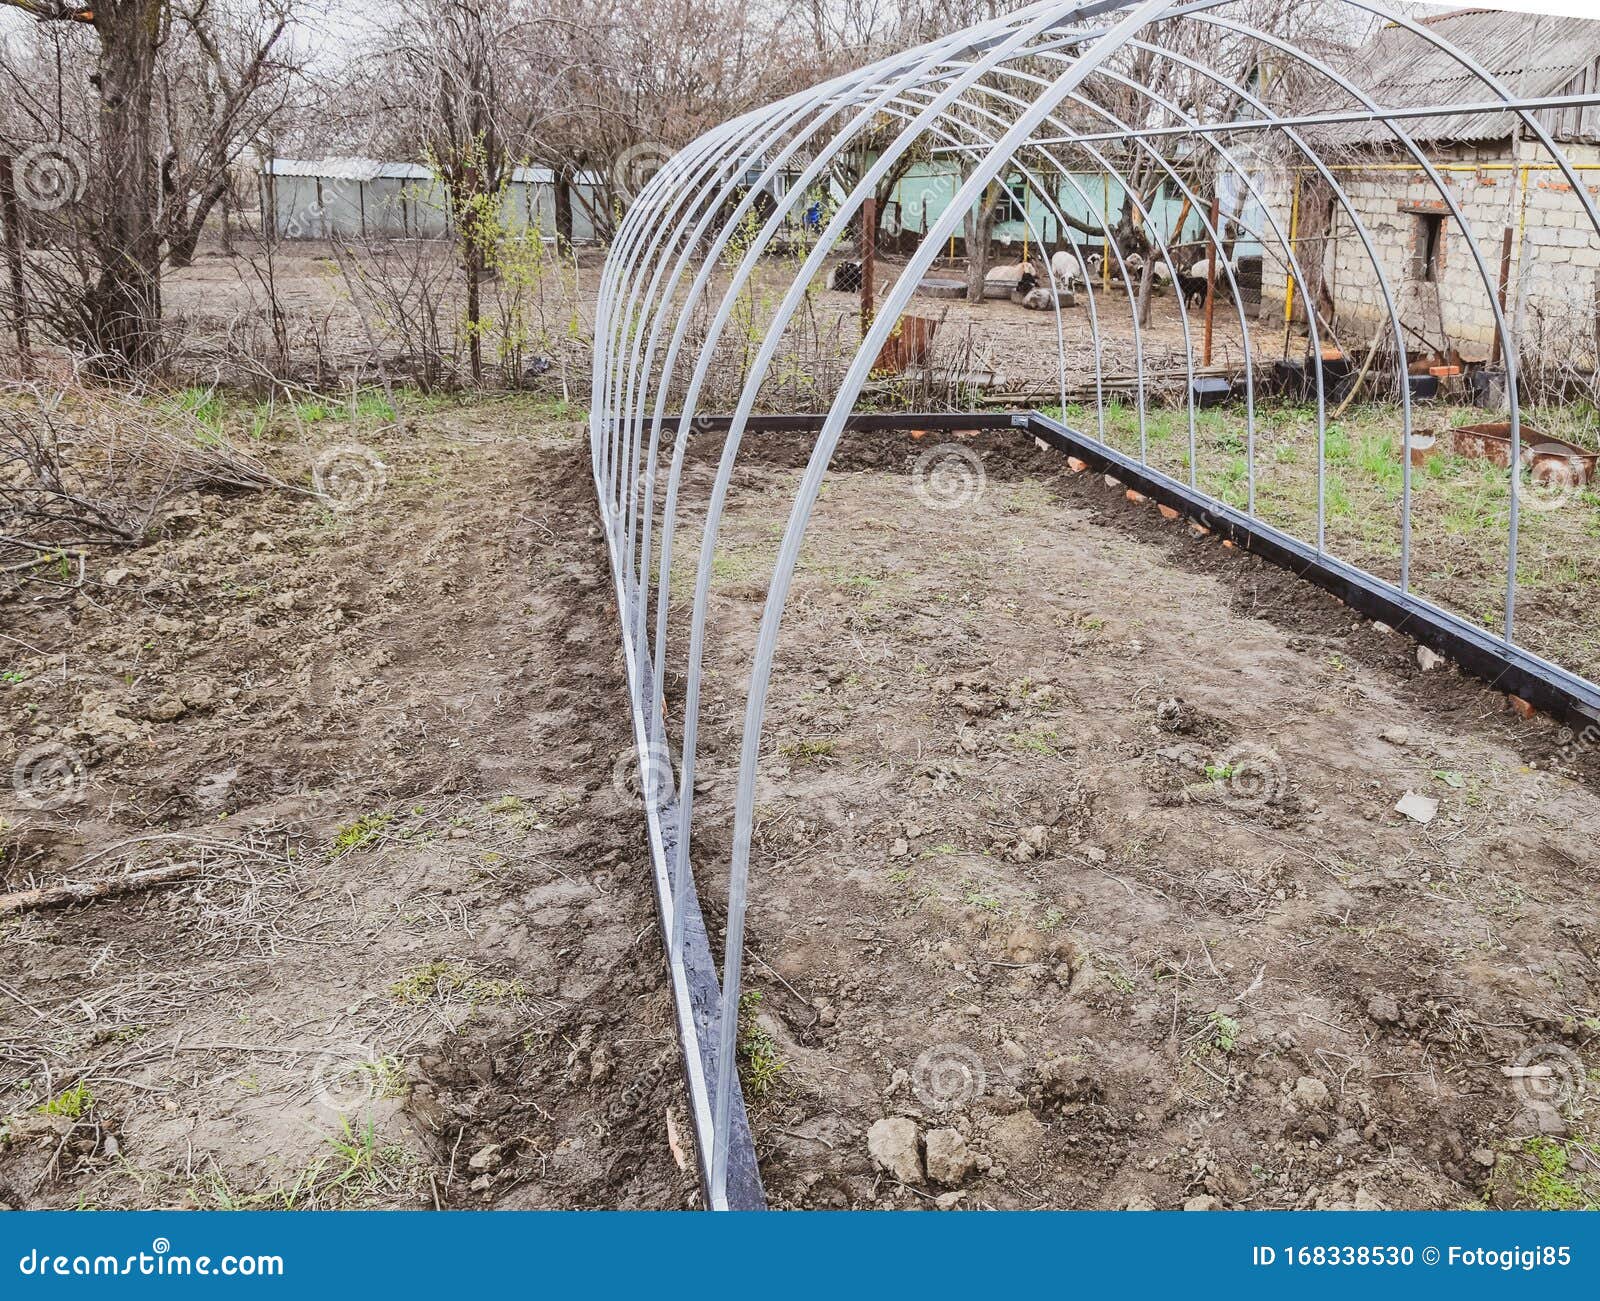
(81, 466)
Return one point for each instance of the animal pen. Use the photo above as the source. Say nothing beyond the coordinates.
(1028, 94)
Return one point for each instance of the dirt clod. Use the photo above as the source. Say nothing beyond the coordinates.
(1311, 1093)
(949, 1161)
(1383, 1009)
(489, 1158)
(892, 1143)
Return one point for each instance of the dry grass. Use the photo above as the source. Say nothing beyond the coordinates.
(98, 466)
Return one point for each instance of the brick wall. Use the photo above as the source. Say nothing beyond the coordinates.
(1555, 248)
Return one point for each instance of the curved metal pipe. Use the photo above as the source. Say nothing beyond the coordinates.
(789, 550)
(666, 231)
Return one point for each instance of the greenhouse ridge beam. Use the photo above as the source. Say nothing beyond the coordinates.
(1353, 117)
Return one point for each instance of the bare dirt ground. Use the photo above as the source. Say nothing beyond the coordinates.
(1078, 876)
(1079, 838)
(1076, 840)
(416, 965)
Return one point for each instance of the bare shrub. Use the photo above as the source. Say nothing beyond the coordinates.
(1560, 344)
(406, 294)
(84, 466)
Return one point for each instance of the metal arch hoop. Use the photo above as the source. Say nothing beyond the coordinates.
(947, 90)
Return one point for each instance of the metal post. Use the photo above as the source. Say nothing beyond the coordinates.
(869, 251)
(1211, 278)
(1505, 285)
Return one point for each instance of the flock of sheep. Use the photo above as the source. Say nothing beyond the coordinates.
(1021, 282)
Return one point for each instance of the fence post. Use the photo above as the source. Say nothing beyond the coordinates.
(1211, 278)
(1505, 288)
(11, 215)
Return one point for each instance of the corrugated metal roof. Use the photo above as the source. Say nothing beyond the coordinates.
(330, 169)
(1532, 55)
(370, 169)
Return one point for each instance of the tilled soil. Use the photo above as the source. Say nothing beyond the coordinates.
(417, 965)
(1079, 880)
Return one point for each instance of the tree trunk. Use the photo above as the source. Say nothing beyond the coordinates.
(1146, 288)
(1316, 225)
(181, 247)
(124, 303)
(978, 228)
(474, 304)
(563, 208)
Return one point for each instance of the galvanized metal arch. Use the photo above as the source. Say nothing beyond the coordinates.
(663, 267)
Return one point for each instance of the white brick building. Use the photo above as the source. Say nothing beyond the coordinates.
(1532, 232)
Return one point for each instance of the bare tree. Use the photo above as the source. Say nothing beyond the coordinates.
(453, 52)
(121, 306)
(629, 79)
(134, 110)
(228, 77)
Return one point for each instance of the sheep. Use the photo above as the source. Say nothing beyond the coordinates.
(1068, 272)
(1202, 268)
(846, 276)
(1027, 282)
(1194, 284)
(1192, 289)
(1064, 270)
(1009, 273)
(1002, 281)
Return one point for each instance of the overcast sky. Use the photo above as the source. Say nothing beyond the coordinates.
(333, 26)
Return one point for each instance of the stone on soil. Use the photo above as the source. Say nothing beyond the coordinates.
(949, 1162)
(892, 1143)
